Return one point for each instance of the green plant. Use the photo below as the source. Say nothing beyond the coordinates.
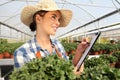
(96, 48)
(95, 62)
(109, 58)
(118, 45)
(8, 48)
(69, 46)
(117, 54)
(71, 56)
(102, 46)
(103, 72)
(3, 41)
(111, 47)
(48, 68)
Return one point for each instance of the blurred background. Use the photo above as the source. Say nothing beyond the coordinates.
(88, 16)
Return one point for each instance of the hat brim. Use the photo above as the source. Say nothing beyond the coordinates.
(28, 12)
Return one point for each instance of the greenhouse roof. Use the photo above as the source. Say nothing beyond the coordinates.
(87, 15)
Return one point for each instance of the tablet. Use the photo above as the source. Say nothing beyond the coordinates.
(92, 42)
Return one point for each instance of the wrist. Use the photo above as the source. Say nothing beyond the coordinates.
(79, 52)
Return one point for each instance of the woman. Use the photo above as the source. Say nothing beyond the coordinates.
(44, 18)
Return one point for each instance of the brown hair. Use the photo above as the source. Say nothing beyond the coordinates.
(33, 24)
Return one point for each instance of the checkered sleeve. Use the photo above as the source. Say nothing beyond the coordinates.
(19, 58)
(61, 49)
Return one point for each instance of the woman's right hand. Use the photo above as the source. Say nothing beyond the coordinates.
(76, 72)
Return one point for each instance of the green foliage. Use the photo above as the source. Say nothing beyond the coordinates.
(3, 41)
(71, 56)
(118, 45)
(9, 47)
(100, 69)
(93, 62)
(48, 68)
(96, 47)
(108, 47)
(55, 68)
(117, 54)
(101, 73)
(102, 46)
(69, 46)
(111, 47)
(109, 58)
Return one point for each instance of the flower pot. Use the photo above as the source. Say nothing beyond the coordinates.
(11, 56)
(1, 56)
(111, 52)
(105, 51)
(91, 53)
(6, 55)
(112, 64)
(96, 53)
(101, 52)
(67, 53)
(117, 65)
(72, 52)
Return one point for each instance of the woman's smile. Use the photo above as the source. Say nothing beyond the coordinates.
(55, 28)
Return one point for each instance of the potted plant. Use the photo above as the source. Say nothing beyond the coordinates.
(111, 59)
(117, 54)
(48, 68)
(110, 48)
(95, 49)
(118, 46)
(1, 51)
(6, 52)
(92, 62)
(103, 72)
(1, 56)
(102, 48)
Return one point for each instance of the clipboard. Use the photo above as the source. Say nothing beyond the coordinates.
(92, 42)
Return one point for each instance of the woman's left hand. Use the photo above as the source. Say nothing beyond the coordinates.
(82, 46)
(80, 49)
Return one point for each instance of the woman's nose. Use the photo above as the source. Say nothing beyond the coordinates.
(58, 22)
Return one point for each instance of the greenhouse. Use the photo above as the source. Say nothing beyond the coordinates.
(89, 17)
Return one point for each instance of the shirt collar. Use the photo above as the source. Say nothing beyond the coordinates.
(38, 47)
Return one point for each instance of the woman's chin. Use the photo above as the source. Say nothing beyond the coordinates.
(52, 33)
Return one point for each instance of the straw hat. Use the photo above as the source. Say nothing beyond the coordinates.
(47, 5)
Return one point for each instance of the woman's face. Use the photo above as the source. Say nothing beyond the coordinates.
(50, 22)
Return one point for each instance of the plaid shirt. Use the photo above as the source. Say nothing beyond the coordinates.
(28, 51)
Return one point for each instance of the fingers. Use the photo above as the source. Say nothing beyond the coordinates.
(80, 70)
(83, 45)
(85, 39)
